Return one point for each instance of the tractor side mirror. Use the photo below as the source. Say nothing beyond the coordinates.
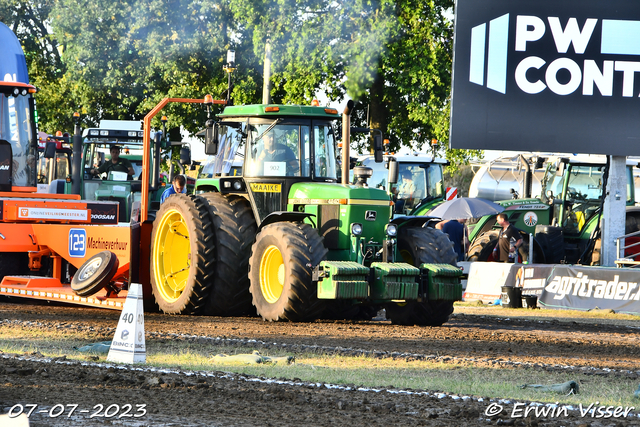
(185, 156)
(392, 165)
(378, 148)
(211, 138)
(50, 150)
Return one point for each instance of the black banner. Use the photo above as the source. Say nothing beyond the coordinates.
(104, 212)
(547, 76)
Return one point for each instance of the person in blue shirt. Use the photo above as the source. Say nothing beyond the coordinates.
(458, 234)
(179, 185)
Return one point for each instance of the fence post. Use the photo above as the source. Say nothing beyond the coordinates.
(530, 248)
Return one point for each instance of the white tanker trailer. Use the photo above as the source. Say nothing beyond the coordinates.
(504, 178)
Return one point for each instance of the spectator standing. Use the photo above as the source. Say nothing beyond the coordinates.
(179, 185)
(509, 240)
(458, 234)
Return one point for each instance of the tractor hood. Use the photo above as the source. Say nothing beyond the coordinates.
(336, 193)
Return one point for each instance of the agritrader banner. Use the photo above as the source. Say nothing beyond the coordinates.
(582, 288)
(557, 76)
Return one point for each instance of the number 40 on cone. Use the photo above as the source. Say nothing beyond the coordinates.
(128, 344)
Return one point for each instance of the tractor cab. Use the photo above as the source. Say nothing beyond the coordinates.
(419, 187)
(296, 145)
(112, 166)
(575, 191)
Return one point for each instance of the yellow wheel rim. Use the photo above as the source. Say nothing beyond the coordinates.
(406, 256)
(171, 256)
(272, 274)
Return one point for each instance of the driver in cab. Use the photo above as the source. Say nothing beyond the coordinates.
(115, 164)
(276, 152)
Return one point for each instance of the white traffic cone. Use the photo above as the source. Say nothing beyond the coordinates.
(128, 343)
(20, 421)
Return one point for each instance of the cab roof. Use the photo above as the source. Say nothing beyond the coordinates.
(409, 158)
(276, 110)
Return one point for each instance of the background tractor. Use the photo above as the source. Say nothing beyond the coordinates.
(425, 173)
(284, 238)
(95, 145)
(565, 219)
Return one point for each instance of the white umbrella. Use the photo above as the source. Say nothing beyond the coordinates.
(465, 208)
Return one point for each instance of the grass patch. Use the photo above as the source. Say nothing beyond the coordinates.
(499, 382)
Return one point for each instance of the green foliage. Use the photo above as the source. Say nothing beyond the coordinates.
(116, 59)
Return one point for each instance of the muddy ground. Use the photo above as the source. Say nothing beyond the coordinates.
(223, 399)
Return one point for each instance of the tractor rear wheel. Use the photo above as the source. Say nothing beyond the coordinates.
(182, 255)
(346, 310)
(234, 229)
(280, 272)
(417, 246)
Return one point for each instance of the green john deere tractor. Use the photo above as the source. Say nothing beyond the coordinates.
(565, 217)
(286, 240)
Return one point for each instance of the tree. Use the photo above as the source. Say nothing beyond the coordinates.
(394, 58)
(117, 59)
(30, 21)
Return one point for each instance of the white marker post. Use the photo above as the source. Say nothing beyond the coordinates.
(128, 344)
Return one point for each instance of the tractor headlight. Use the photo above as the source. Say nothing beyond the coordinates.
(356, 229)
(392, 230)
(237, 185)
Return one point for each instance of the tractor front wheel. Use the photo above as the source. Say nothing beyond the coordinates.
(280, 266)
(417, 246)
(182, 258)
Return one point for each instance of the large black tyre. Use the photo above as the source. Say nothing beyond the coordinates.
(416, 246)
(182, 255)
(481, 248)
(234, 229)
(346, 310)
(551, 240)
(95, 273)
(280, 267)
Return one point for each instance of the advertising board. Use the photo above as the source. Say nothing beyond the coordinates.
(546, 76)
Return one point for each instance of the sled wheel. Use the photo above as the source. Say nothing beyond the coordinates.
(95, 273)
(280, 272)
(417, 246)
(181, 255)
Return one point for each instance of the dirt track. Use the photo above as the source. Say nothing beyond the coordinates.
(229, 399)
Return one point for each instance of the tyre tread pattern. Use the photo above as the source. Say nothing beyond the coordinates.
(483, 245)
(234, 229)
(305, 249)
(195, 210)
(426, 245)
